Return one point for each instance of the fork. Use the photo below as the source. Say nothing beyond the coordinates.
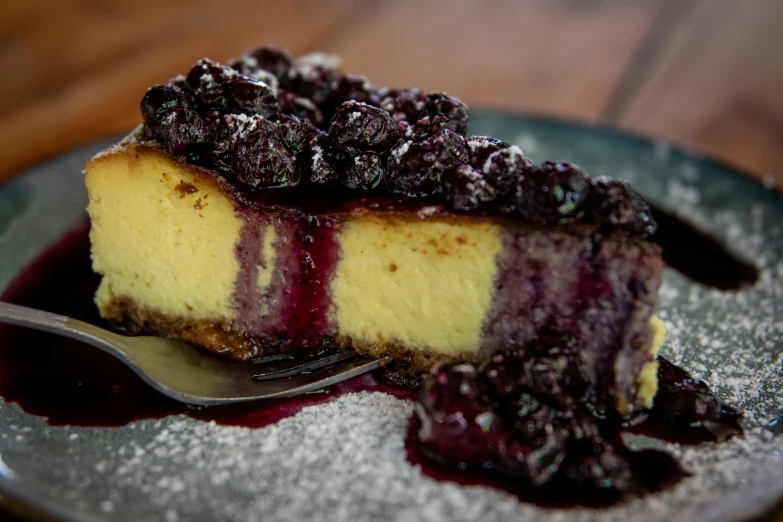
(185, 374)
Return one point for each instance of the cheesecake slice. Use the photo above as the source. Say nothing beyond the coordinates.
(276, 206)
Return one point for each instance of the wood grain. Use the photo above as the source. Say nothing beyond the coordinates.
(716, 84)
(556, 57)
(72, 90)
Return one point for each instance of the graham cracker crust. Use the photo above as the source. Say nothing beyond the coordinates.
(223, 339)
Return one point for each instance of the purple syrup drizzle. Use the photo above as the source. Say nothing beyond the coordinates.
(248, 298)
(304, 316)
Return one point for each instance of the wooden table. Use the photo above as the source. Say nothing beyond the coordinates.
(707, 74)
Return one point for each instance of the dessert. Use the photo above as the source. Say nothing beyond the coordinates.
(275, 205)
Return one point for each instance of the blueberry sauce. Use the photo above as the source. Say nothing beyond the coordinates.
(527, 420)
(699, 256)
(305, 314)
(247, 298)
(73, 384)
(655, 471)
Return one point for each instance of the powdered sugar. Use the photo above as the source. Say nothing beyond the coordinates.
(345, 459)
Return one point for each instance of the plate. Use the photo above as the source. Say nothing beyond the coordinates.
(344, 458)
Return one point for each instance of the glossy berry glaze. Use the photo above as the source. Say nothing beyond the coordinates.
(278, 128)
(475, 418)
(297, 296)
(526, 419)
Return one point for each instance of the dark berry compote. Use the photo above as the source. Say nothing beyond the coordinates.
(280, 131)
(528, 421)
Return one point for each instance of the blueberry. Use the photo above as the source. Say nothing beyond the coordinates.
(300, 107)
(314, 162)
(183, 132)
(682, 400)
(457, 424)
(424, 128)
(553, 193)
(415, 167)
(448, 111)
(271, 59)
(616, 206)
(504, 169)
(465, 188)
(403, 104)
(294, 132)
(314, 77)
(264, 163)
(480, 148)
(248, 96)
(229, 131)
(158, 101)
(248, 66)
(354, 88)
(207, 81)
(357, 127)
(363, 171)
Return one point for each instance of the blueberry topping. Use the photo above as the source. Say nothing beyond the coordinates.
(271, 59)
(449, 112)
(248, 66)
(183, 132)
(314, 161)
(403, 104)
(465, 188)
(522, 413)
(300, 107)
(294, 132)
(553, 193)
(481, 147)
(505, 168)
(207, 81)
(415, 167)
(356, 88)
(363, 171)
(314, 77)
(424, 128)
(258, 157)
(160, 100)
(357, 127)
(249, 96)
(616, 206)
(457, 424)
(261, 122)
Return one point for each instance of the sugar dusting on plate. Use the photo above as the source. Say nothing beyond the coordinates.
(345, 459)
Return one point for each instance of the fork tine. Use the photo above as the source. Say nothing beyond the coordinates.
(272, 358)
(305, 366)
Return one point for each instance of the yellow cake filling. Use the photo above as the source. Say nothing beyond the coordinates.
(432, 281)
(648, 377)
(160, 235)
(165, 235)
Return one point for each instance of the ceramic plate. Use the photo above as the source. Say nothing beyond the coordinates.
(344, 458)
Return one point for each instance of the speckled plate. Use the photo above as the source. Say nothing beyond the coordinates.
(345, 459)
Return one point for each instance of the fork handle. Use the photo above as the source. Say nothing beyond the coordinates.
(55, 323)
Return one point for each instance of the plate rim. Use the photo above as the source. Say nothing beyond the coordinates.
(21, 501)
